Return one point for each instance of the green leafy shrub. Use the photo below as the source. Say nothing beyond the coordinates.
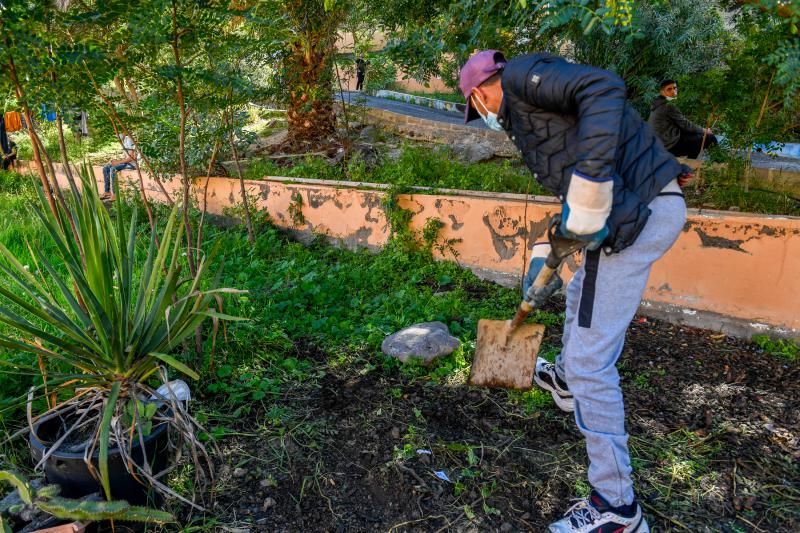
(787, 348)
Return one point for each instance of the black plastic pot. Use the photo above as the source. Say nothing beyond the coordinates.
(70, 472)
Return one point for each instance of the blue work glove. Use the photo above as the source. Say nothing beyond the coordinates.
(593, 240)
(535, 298)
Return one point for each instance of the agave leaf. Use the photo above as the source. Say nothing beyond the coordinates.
(223, 316)
(17, 322)
(3, 526)
(63, 323)
(177, 365)
(105, 429)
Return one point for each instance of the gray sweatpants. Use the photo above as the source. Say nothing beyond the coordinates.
(602, 299)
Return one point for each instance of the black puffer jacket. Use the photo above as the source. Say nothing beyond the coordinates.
(565, 117)
(668, 122)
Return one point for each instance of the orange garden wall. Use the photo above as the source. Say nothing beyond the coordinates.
(733, 272)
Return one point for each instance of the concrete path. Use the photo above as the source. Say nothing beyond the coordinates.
(404, 108)
(356, 98)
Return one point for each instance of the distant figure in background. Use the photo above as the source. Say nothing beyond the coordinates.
(680, 136)
(9, 156)
(361, 72)
(127, 163)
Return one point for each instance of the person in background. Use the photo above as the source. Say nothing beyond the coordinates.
(680, 136)
(10, 156)
(110, 170)
(361, 72)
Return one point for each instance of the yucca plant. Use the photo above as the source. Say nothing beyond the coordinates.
(104, 322)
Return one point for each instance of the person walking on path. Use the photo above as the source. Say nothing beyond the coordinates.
(361, 72)
(110, 170)
(680, 136)
(620, 194)
(10, 156)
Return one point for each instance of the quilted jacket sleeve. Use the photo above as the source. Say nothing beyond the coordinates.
(681, 121)
(595, 96)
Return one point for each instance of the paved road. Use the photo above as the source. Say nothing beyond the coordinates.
(759, 160)
(411, 110)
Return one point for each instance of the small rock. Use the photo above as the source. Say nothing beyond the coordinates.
(369, 134)
(426, 341)
(275, 139)
(474, 152)
(506, 527)
(239, 472)
(394, 154)
(265, 483)
(269, 503)
(395, 433)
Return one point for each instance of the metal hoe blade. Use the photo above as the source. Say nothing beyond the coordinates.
(503, 359)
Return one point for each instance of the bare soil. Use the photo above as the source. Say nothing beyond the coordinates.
(715, 441)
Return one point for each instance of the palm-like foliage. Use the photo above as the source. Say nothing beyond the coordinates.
(108, 315)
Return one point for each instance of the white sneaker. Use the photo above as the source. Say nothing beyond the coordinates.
(546, 377)
(594, 515)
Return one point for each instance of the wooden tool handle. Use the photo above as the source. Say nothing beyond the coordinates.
(543, 277)
(520, 316)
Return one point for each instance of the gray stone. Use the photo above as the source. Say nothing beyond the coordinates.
(269, 503)
(369, 134)
(394, 154)
(426, 341)
(239, 472)
(279, 137)
(473, 152)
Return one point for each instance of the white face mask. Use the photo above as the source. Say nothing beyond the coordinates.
(489, 118)
(671, 98)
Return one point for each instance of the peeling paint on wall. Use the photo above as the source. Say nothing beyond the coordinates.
(739, 266)
(505, 232)
(711, 241)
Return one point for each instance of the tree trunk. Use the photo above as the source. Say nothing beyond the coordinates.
(309, 72)
(251, 237)
(62, 148)
(190, 252)
(37, 157)
(190, 249)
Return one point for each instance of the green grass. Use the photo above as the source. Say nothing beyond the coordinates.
(448, 97)
(19, 229)
(417, 166)
(97, 149)
(724, 188)
(787, 348)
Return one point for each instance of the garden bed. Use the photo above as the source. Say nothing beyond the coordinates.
(322, 432)
(710, 419)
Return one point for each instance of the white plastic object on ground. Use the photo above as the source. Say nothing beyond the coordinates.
(178, 389)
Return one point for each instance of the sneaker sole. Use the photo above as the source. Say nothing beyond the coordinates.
(641, 527)
(565, 404)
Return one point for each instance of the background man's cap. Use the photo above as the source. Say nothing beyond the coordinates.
(479, 68)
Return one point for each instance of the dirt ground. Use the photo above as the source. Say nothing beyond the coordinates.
(715, 440)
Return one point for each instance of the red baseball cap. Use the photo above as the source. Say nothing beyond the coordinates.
(478, 68)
